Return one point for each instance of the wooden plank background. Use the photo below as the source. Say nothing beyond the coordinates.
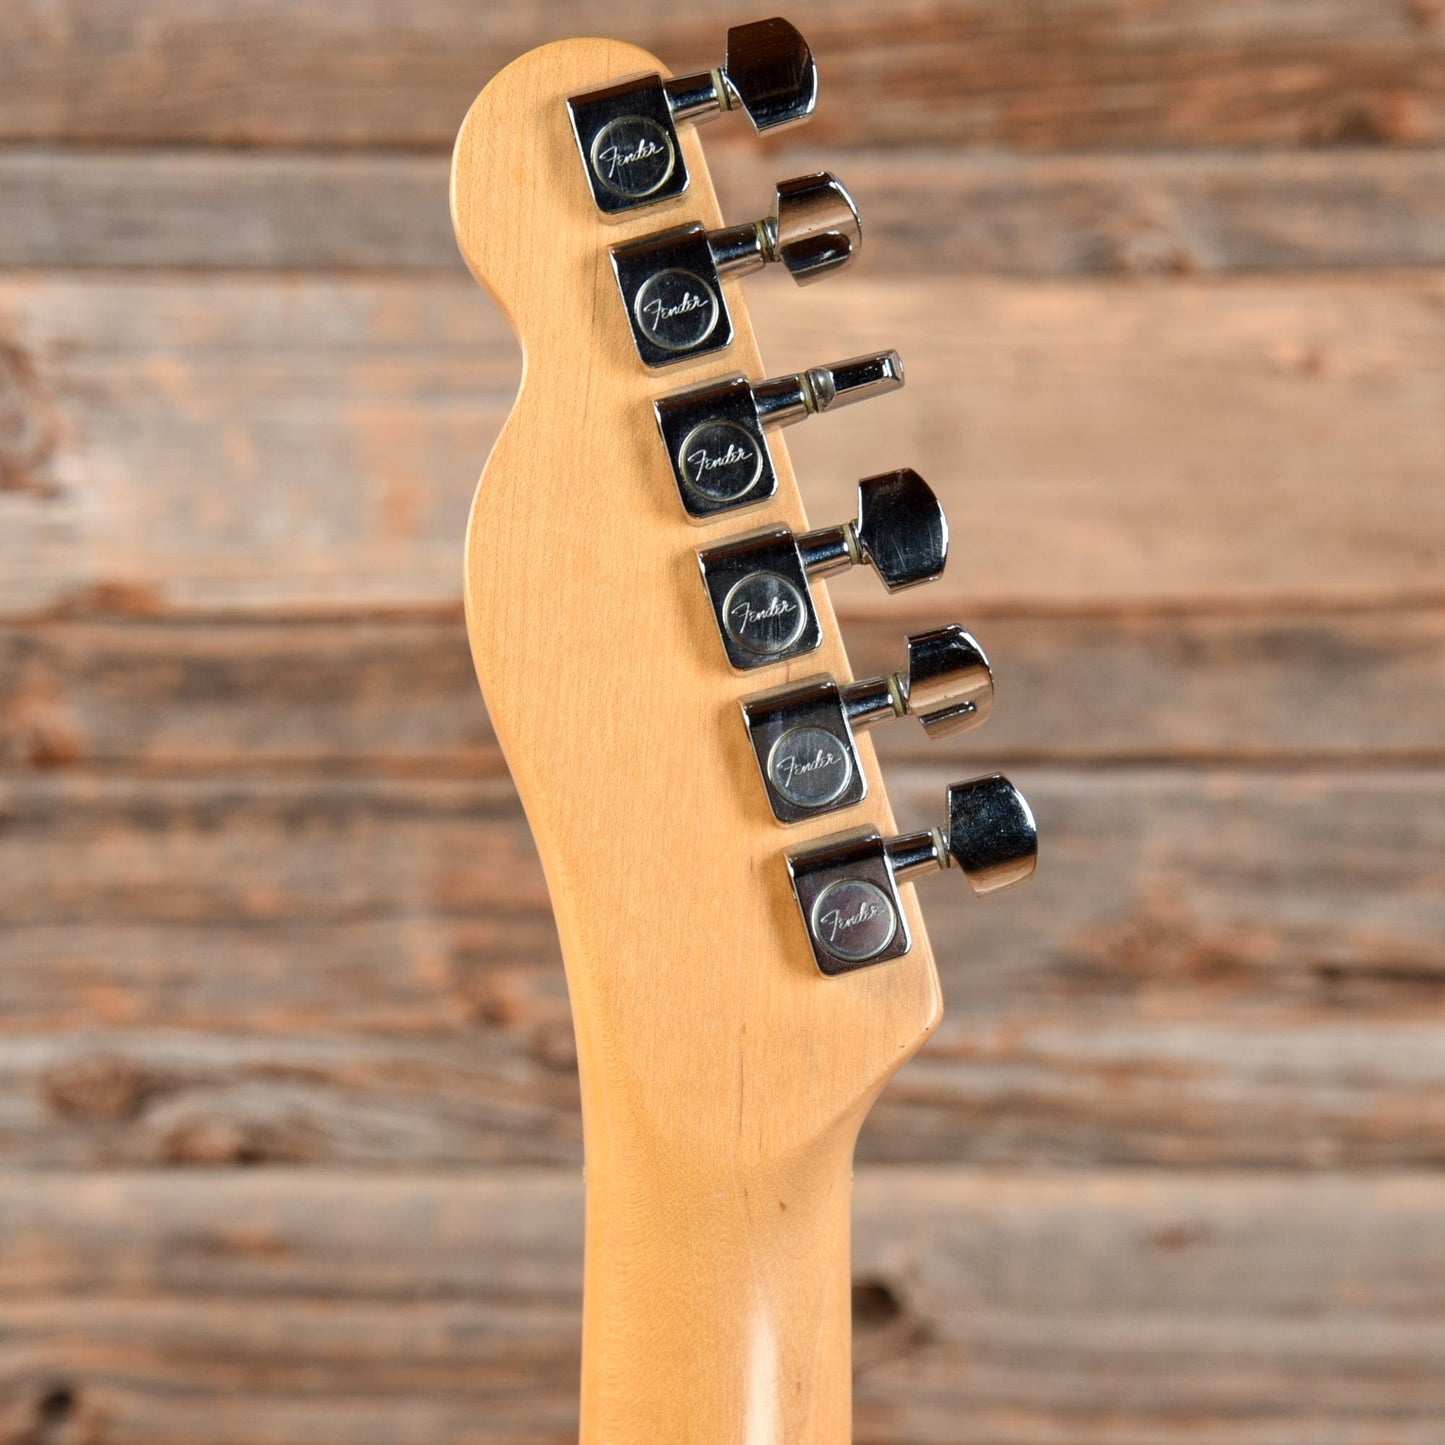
(288, 1130)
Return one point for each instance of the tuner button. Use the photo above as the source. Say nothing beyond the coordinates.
(802, 734)
(948, 686)
(770, 73)
(992, 836)
(783, 400)
(802, 737)
(627, 139)
(857, 379)
(848, 897)
(847, 886)
(671, 282)
(627, 131)
(715, 434)
(814, 228)
(758, 583)
(672, 294)
(901, 528)
(757, 586)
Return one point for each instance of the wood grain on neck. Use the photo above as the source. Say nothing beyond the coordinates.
(723, 1079)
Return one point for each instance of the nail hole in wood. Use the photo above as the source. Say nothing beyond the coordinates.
(875, 1305)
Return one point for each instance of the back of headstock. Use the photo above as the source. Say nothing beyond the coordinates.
(724, 1074)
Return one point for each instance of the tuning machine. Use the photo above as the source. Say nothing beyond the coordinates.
(671, 282)
(715, 434)
(758, 584)
(627, 132)
(847, 887)
(803, 735)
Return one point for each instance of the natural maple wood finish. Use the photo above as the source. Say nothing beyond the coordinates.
(723, 1079)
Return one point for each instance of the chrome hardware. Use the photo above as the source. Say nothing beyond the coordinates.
(814, 228)
(769, 74)
(847, 886)
(715, 433)
(671, 282)
(900, 531)
(803, 735)
(627, 132)
(758, 587)
(948, 684)
(758, 584)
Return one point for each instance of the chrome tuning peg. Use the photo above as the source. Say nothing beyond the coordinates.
(758, 583)
(847, 887)
(803, 735)
(671, 282)
(715, 434)
(769, 74)
(627, 132)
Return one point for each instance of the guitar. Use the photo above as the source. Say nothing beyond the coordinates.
(746, 961)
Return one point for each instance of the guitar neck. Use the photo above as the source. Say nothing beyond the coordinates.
(667, 679)
(717, 1301)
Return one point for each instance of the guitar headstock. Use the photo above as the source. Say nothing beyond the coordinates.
(639, 565)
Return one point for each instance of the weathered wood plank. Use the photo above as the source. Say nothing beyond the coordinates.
(398, 691)
(1234, 967)
(160, 693)
(927, 211)
(225, 210)
(1185, 213)
(1063, 74)
(990, 1307)
(1098, 1084)
(261, 443)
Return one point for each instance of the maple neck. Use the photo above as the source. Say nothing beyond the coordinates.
(724, 1077)
(717, 1303)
